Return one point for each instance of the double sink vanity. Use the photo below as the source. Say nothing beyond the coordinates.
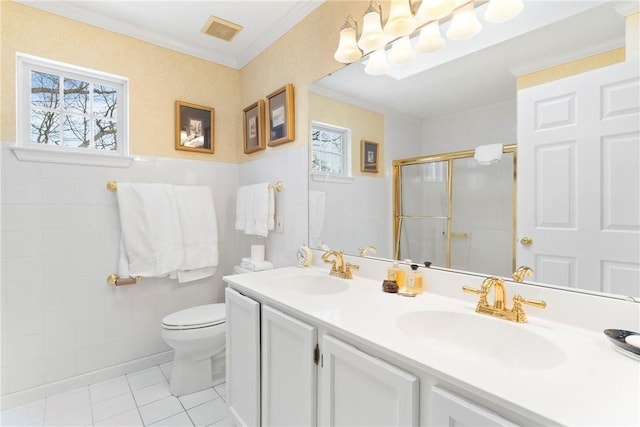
(307, 348)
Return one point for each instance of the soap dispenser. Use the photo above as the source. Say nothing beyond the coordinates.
(414, 281)
(396, 274)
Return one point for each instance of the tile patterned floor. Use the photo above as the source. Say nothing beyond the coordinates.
(137, 399)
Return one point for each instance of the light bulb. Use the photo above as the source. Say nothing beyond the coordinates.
(401, 51)
(401, 21)
(372, 37)
(377, 63)
(430, 10)
(464, 24)
(347, 51)
(430, 39)
(502, 10)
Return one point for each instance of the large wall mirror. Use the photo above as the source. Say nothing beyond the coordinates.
(459, 98)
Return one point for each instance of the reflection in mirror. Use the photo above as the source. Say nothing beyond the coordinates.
(469, 97)
(456, 212)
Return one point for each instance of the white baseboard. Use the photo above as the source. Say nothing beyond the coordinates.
(32, 394)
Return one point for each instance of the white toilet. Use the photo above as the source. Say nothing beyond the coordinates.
(197, 335)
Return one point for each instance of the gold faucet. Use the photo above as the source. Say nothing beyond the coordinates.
(338, 267)
(521, 272)
(366, 250)
(499, 308)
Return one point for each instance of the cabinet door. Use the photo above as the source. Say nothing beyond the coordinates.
(243, 358)
(450, 410)
(288, 370)
(357, 389)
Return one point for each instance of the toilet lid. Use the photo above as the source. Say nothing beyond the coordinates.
(195, 317)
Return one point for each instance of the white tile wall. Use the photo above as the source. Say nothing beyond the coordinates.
(60, 235)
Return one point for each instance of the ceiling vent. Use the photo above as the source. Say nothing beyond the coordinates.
(221, 29)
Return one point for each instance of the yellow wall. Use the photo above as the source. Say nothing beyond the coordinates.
(364, 125)
(157, 78)
(301, 56)
(632, 36)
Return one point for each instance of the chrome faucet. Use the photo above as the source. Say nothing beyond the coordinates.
(338, 267)
(499, 308)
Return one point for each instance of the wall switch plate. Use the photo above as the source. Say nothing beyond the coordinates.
(279, 228)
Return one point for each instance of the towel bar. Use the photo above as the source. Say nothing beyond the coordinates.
(113, 186)
(115, 280)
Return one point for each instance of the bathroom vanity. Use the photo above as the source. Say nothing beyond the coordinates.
(305, 348)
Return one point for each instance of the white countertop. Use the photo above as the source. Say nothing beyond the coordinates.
(591, 383)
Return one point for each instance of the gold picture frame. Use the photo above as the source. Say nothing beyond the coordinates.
(280, 116)
(368, 156)
(194, 127)
(254, 127)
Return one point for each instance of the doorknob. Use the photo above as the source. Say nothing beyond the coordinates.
(526, 241)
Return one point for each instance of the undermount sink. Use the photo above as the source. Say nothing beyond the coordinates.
(311, 284)
(481, 338)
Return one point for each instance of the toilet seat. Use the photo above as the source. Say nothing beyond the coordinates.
(201, 316)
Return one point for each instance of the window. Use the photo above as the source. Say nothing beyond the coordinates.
(66, 108)
(330, 149)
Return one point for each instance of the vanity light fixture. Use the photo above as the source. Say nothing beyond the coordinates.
(406, 31)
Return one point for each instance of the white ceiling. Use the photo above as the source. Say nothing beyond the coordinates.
(177, 24)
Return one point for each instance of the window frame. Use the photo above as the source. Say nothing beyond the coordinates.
(345, 151)
(27, 150)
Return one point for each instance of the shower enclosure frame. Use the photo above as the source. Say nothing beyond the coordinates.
(399, 217)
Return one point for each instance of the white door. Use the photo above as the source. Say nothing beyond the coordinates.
(450, 410)
(357, 389)
(579, 178)
(288, 370)
(243, 358)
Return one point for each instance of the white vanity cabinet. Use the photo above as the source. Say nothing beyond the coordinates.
(451, 410)
(288, 370)
(360, 390)
(243, 358)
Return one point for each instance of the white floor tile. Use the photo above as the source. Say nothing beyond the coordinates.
(67, 402)
(160, 409)
(152, 393)
(75, 417)
(198, 398)
(127, 419)
(209, 413)
(107, 389)
(112, 407)
(31, 414)
(145, 378)
(227, 422)
(222, 390)
(166, 369)
(178, 420)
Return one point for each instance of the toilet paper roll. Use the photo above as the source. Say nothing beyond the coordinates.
(257, 252)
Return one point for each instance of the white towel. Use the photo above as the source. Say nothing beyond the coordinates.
(151, 236)
(197, 216)
(254, 265)
(487, 154)
(255, 209)
(317, 203)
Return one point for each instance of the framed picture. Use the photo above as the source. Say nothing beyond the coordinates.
(369, 156)
(194, 127)
(253, 121)
(281, 126)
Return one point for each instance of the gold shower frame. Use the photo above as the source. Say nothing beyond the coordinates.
(398, 217)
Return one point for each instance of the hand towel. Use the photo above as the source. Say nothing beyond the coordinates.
(253, 265)
(487, 154)
(317, 203)
(255, 209)
(197, 215)
(151, 234)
